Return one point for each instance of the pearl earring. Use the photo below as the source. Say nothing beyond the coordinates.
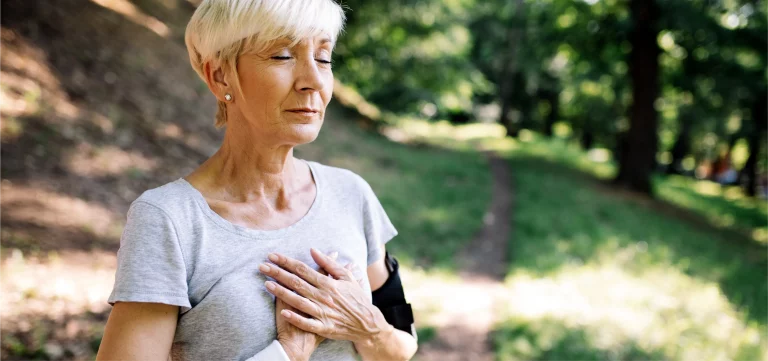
(228, 97)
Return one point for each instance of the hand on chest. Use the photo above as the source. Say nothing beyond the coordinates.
(233, 277)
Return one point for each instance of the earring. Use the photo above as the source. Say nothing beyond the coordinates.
(228, 97)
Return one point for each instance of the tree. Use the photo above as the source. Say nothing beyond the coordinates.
(638, 151)
(759, 123)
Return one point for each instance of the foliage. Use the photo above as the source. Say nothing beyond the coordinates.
(549, 61)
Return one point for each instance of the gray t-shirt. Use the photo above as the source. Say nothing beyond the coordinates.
(176, 250)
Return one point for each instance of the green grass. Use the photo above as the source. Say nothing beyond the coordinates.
(724, 207)
(435, 197)
(598, 276)
(426, 334)
(550, 339)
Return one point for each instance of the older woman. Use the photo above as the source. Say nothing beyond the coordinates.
(238, 260)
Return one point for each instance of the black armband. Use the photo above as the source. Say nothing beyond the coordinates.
(390, 299)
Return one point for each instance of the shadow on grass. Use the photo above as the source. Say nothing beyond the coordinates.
(746, 215)
(41, 337)
(563, 219)
(550, 339)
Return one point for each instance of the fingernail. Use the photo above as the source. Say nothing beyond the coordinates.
(285, 314)
(270, 285)
(264, 268)
(273, 257)
(334, 254)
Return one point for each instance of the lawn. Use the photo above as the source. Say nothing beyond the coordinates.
(596, 274)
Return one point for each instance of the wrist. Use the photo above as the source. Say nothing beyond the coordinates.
(376, 340)
(294, 353)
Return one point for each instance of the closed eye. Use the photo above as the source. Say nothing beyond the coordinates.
(323, 61)
(281, 57)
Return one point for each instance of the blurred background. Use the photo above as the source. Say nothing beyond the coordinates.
(571, 179)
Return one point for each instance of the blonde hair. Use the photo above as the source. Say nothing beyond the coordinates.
(222, 30)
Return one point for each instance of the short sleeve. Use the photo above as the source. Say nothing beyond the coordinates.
(150, 263)
(378, 228)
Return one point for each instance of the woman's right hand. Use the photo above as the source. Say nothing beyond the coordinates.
(297, 343)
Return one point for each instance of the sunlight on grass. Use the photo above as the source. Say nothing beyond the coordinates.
(427, 292)
(661, 312)
(443, 133)
(596, 276)
(723, 206)
(74, 281)
(134, 14)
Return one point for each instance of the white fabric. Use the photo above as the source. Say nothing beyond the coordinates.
(273, 352)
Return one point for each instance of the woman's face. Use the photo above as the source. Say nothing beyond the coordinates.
(285, 90)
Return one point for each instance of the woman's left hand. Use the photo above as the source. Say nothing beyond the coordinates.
(338, 306)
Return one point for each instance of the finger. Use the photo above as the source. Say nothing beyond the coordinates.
(330, 265)
(304, 323)
(354, 269)
(291, 299)
(333, 255)
(300, 269)
(291, 281)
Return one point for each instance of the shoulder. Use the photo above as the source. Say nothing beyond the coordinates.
(174, 199)
(342, 179)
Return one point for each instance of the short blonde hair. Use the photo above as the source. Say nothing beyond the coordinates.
(222, 30)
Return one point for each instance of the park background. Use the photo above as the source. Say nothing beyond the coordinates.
(571, 179)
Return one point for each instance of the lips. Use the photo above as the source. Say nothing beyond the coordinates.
(307, 111)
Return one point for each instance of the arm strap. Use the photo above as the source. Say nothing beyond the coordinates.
(390, 299)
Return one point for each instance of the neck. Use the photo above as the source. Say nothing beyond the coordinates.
(248, 168)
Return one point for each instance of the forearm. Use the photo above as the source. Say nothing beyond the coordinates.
(390, 344)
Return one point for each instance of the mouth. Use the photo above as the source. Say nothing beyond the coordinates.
(304, 111)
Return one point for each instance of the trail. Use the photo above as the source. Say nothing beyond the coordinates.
(468, 311)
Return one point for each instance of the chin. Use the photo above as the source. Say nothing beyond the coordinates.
(304, 133)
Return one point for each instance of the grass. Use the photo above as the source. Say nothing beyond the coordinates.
(436, 198)
(724, 207)
(600, 276)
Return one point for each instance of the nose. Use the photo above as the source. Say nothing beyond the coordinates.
(308, 76)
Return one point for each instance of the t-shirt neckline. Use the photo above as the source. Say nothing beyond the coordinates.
(259, 233)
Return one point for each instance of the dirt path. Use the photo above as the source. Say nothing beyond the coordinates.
(469, 308)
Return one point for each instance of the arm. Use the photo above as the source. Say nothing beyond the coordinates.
(139, 331)
(390, 344)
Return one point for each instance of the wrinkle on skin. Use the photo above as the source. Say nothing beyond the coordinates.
(348, 317)
(253, 180)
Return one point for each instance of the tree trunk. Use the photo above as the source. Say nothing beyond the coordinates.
(506, 107)
(682, 144)
(587, 138)
(509, 69)
(641, 140)
(553, 98)
(759, 119)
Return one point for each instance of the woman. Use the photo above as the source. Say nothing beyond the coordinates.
(193, 279)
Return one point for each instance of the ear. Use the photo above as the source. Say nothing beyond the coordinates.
(216, 81)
